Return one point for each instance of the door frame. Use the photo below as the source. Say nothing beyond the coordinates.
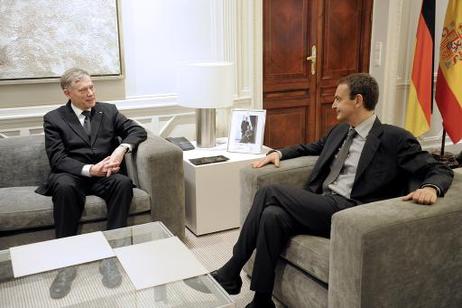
(258, 54)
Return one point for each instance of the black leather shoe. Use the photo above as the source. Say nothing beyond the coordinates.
(111, 275)
(61, 285)
(269, 304)
(233, 287)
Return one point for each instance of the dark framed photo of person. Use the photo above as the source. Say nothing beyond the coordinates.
(246, 131)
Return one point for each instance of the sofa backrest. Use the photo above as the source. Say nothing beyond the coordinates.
(23, 161)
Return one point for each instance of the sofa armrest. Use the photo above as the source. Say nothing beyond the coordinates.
(292, 172)
(159, 168)
(398, 254)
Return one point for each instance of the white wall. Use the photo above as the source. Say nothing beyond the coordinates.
(378, 47)
(159, 34)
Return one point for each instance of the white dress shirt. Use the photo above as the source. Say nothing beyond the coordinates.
(344, 182)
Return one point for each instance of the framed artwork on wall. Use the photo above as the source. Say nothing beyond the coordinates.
(247, 131)
(40, 39)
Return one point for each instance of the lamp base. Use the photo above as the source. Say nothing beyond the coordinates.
(205, 127)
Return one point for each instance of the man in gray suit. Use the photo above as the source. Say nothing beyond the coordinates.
(360, 160)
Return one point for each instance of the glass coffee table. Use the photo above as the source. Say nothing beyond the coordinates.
(88, 291)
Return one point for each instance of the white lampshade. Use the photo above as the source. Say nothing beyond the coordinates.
(206, 85)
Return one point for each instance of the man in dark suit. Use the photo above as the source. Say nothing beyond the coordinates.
(81, 140)
(360, 160)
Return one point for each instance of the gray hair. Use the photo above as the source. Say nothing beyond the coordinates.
(71, 76)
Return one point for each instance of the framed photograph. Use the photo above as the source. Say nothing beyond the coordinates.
(246, 131)
(40, 39)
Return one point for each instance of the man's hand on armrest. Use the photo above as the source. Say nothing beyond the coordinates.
(272, 157)
(426, 195)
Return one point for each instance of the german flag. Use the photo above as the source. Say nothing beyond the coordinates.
(449, 80)
(419, 105)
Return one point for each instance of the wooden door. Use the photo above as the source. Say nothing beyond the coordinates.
(296, 95)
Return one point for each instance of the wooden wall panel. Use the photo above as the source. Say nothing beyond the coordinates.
(285, 127)
(341, 38)
(344, 31)
(288, 93)
(286, 39)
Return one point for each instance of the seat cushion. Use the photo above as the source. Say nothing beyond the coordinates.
(24, 161)
(22, 208)
(309, 253)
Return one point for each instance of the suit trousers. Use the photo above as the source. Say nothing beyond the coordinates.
(278, 213)
(68, 194)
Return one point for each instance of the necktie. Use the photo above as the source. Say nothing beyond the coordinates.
(339, 160)
(86, 122)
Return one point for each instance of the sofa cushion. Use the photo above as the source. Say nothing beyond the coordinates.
(22, 208)
(23, 162)
(309, 253)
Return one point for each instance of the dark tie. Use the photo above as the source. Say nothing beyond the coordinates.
(87, 122)
(339, 160)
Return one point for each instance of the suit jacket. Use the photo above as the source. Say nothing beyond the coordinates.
(69, 147)
(390, 160)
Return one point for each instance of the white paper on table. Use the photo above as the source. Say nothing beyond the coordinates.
(50, 255)
(158, 262)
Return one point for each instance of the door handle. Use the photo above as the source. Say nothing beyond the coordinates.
(312, 58)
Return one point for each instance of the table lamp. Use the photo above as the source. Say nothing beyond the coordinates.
(206, 86)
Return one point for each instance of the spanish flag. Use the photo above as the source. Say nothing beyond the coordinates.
(419, 105)
(449, 80)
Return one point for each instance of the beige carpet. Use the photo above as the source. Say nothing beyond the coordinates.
(213, 250)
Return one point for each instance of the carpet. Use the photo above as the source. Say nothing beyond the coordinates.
(213, 250)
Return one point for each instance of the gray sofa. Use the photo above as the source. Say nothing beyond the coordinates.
(383, 254)
(156, 167)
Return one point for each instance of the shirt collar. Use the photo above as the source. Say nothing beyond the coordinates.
(77, 110)
(365, 126)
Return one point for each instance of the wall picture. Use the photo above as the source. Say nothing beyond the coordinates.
(40, 39)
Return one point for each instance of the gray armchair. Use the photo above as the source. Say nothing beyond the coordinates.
(156, 168)
(389, 253)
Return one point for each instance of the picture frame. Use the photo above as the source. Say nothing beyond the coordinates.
(246, 131)
(60, 36)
